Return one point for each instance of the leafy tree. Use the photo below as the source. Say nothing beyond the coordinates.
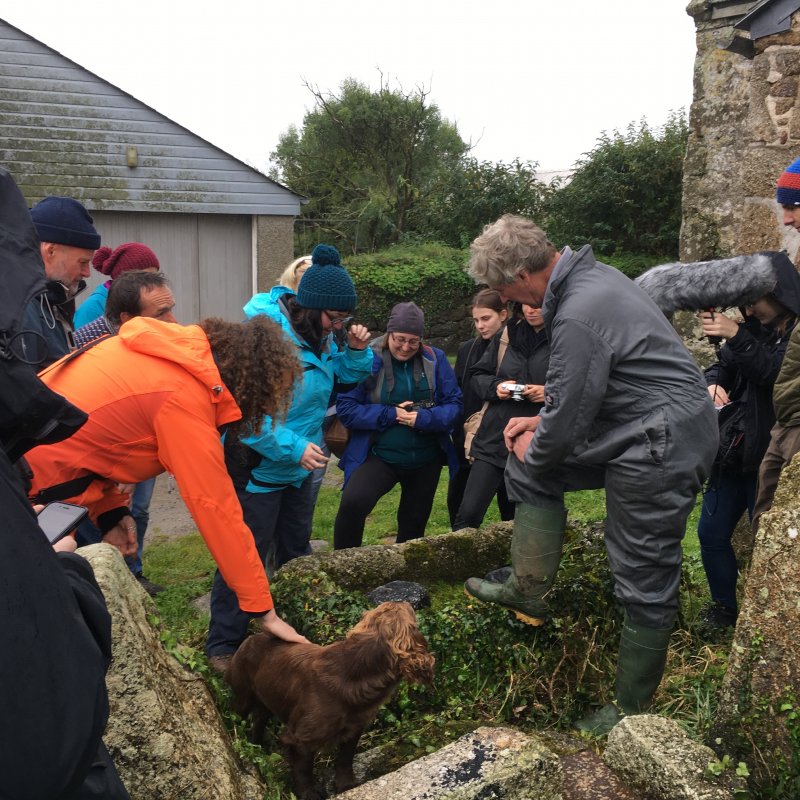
(366, 159)
(625, 195)
(477, 193)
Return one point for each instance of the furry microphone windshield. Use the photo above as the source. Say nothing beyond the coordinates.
(724, 283)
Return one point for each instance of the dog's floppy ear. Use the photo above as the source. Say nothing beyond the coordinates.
(416, 663)
(397, 623)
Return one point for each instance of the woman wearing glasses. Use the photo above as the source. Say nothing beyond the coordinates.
(272, 467)
(400, 421)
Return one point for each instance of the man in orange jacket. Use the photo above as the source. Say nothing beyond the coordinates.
(158, 396)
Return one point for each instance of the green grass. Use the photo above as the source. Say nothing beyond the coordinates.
(186, 560)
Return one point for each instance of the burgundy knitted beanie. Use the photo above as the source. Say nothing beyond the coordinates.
(131, 255)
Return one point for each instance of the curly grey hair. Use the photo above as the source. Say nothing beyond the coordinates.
(508, 247)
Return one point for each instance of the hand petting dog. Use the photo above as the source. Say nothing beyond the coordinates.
(272, 624)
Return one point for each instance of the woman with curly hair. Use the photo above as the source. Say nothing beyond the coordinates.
(157, 396)
(272, 465)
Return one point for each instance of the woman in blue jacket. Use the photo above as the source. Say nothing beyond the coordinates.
(400, 421)
(272, 468)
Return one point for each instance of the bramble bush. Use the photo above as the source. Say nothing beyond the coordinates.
(489, 667)
(625, 194)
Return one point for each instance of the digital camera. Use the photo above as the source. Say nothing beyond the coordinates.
(516, 390)
(421, 404)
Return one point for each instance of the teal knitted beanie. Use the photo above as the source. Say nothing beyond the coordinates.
(326, 284)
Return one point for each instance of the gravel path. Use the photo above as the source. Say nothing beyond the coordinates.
(168, 514)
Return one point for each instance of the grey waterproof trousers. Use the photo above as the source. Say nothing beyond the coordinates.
(652, 468)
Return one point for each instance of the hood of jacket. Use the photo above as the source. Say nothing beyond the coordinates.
(568, 262)
(184, 345)
(30, 413)
(270, 303)
(787, 288)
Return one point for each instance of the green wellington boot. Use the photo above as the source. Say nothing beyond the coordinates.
(640, 666)
(536, 546)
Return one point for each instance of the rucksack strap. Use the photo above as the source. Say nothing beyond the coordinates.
(65, 490)
(62, 362)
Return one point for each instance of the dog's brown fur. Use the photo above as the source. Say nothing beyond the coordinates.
(328, 695)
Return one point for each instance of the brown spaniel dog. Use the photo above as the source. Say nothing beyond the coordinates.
(328, 695)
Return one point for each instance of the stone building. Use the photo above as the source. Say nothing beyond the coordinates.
(744, 127)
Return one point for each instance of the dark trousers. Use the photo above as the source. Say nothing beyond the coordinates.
(652, 471)
(723, 506)
(455, 491)
(371, 481)
(281, 523)
(484, 480)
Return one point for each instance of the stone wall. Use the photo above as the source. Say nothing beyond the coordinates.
(744, 130)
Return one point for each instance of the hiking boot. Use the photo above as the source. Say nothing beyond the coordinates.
(151, 588)
(536, 546)
(717, 617)
(220, 662)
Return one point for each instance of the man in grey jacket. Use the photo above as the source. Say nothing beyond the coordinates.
(626, 408)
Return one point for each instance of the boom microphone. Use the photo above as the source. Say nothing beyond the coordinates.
(703, 285)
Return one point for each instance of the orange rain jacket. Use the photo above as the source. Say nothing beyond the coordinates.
(156, 402)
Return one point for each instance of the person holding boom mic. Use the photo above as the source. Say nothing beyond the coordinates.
(785, 435)
(740, 385)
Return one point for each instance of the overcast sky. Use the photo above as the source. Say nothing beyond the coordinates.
(534, 79)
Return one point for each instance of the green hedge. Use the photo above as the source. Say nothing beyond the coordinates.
(633, 264)
(432, 275)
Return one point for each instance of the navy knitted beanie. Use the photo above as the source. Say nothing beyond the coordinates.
(326, 284)
(63, 220)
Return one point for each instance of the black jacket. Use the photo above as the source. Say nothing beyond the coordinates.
(469, 354)
(56, 629)
(525, 361)
(749, 363)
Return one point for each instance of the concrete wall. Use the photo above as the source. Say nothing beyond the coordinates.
(274, 248)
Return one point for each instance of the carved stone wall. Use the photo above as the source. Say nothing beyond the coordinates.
(744, 131)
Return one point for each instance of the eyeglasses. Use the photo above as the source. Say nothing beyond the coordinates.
(401, 341)
(343, 321)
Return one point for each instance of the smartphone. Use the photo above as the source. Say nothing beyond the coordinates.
(58, 519)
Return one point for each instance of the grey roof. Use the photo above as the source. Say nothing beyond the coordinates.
(66, 131)
(767, 17)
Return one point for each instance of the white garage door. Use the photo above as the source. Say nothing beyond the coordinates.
(207, 257)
